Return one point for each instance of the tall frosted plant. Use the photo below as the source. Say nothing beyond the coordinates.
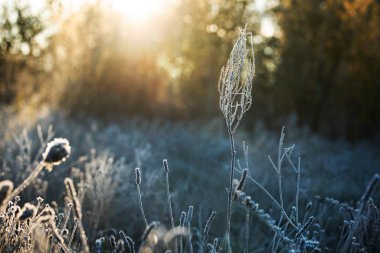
(235, 88)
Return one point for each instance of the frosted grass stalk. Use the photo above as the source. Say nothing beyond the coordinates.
(138, 182)
(166, 169)
(77, 212)
(235, 89)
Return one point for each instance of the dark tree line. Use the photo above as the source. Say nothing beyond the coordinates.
(322, 65)
(329, 72)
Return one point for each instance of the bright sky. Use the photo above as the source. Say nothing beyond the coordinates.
(267, 27)
(141, 11)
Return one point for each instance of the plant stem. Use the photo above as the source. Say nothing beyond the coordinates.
(141, 205)
(230, 193)
(170, 204)
(274, 201)
(25, 183)
(169, 199)
(298, 192)
(247, 231)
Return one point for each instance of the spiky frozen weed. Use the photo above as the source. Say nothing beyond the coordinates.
(235, 88)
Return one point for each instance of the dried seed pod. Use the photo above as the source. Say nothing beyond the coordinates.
(166, 166)
(56, 152)
(138, 176)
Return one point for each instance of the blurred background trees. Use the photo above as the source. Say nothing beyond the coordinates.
(19, 49)
(317, 60)
(329, 73)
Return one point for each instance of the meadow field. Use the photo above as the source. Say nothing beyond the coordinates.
(334, 180)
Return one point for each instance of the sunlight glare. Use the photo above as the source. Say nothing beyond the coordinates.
(139, 10)
(267, 27)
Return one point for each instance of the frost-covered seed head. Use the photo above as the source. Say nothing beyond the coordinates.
(242, 180)
(235, 82)
(65, 233)
(120, 245)
(40, 200)
(182, 219)
(166, 166)
(138, 176)
(99, 242)
(27, 211)
(56, 152)
(309, 205)
(113, 242)
(189, 215)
